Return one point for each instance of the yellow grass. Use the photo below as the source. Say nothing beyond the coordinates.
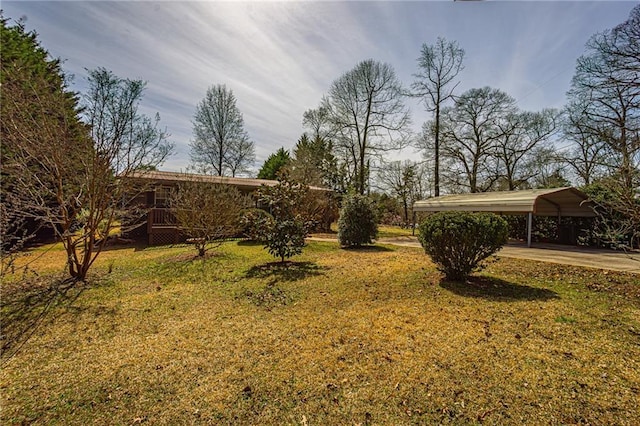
(365, 336)
(384, 231)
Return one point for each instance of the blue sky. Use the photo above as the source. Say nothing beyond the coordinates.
(279, 58)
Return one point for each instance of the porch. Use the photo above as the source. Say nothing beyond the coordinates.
(162, 227)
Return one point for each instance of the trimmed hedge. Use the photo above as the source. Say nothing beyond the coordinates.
(458, 241)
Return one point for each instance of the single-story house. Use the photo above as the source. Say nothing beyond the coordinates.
(556, 202)
(158, 226)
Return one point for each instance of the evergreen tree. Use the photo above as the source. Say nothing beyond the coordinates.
(314, 163)
(274, 164)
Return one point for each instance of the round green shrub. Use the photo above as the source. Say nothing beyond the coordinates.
(357, 223)
(286, 238)
(458, 241)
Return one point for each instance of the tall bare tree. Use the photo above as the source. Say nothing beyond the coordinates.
(241, 158)
(606, 89)
(318, 123)
(439, 65)
(587, 155)
(221, 145)
(470, 132)
(522, 136)
(366, 110)
(606, 85)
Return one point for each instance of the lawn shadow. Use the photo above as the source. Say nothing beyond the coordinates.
(285, 271)
(124, 243)
(498, 290)
(27, 304)
(368, 249)
(192, 256)
(250, 243)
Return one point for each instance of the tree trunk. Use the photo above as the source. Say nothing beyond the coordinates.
(406, 210)
(436, 168)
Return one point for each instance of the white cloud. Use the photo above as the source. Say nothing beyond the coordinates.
(279, 58)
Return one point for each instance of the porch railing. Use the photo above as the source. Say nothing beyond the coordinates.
(160, 218)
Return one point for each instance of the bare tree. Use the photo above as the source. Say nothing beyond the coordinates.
(367, 112)
(82, 182)
(207, 213)
(221, 144)
(521, 133)
(318, 122)
(548, 167)
(439, 65)
(470, 133)
(241, 158)
(606, 90)
(403, 181)
(587, 155)
(621, 47)
(607, 87)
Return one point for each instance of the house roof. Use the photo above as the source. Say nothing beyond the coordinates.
(248, 184)
(566, 201)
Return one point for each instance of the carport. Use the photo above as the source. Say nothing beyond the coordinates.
(557, 202)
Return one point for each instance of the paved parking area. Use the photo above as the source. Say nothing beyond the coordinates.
(579, 256)
(554, 253)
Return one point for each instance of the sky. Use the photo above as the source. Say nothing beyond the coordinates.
(279, 58)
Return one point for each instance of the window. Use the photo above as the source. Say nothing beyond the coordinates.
(162, 196)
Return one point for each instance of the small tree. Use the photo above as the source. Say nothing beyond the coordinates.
(459, 241)
(357, 224)
(207, 213)
(285, 236)
(70, 175)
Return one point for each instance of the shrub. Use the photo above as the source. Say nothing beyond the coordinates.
(617, 209)
(284, 235)
(207, 214)
(459, 241)
(357, 223)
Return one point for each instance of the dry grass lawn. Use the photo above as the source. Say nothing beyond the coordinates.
(365, 336)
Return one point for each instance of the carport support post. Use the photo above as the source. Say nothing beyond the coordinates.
(413, 225)
(529, 223)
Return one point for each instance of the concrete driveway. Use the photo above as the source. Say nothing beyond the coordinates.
(553, 253)
(578, 256)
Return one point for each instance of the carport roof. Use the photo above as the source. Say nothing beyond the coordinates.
(566, 201)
